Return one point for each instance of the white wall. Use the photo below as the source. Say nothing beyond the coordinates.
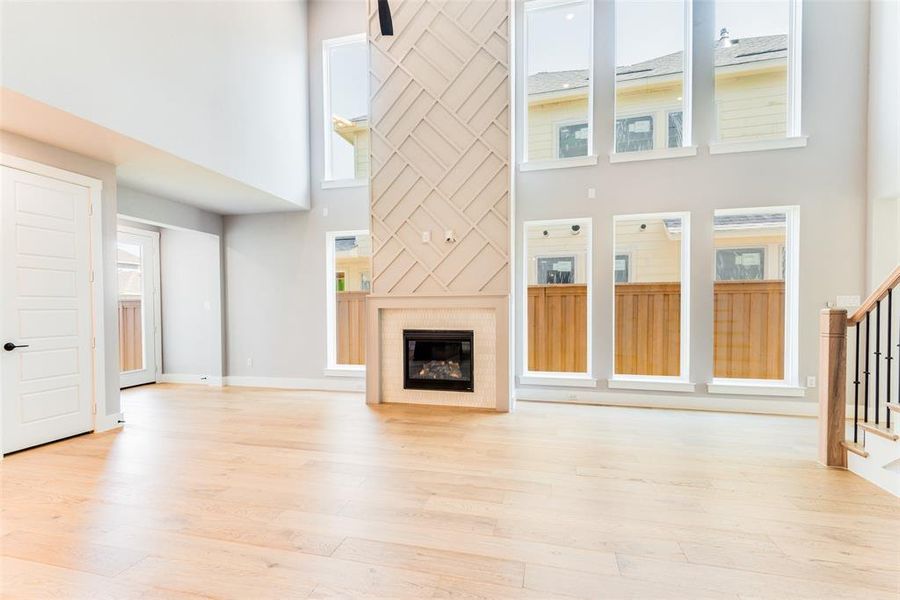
(884, 140)
(106, 173)
(220, 84)
(827, 179)
(157, 210)
(275, 285)
(191, 307)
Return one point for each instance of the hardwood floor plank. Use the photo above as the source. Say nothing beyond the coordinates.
(255, 493)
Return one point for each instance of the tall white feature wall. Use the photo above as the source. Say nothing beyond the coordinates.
(219, 84)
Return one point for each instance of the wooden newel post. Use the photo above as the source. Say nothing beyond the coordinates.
(832, 387)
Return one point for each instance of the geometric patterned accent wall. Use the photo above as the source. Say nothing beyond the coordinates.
(439, 120)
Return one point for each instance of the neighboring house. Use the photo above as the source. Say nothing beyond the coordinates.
(356, 132)
(751, 100)
(353, 263)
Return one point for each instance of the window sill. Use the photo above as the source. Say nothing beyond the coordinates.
(561, 163)
(749, 387)
(329, 184)
(622, 157)
(651, 384)
(757, 145)
(357, 372)
(580, 380)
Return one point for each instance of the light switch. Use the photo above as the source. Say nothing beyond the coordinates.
(592, 193)
(811, 381)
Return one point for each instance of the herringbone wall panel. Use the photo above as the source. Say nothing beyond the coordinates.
(440, 147)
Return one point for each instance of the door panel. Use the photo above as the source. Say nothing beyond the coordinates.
(47, 385)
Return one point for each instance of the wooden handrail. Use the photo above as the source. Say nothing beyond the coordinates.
(891, 282)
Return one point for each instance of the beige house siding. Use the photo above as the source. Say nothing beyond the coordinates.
(752, 104)
(544, 117)
(655, 256)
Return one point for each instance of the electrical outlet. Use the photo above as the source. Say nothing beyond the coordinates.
(325, 211)
(811, 381)
(592, 193)
(426, 237)
(571, 396)
(249, 362)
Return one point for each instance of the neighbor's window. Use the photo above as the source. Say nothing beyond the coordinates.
(345, 73)
(350, 270)
(752, 292)
(650, 302)
(651, 69)
(754, 69)
(558, 255)
(558, 68)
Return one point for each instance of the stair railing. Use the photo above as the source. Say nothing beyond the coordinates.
(876, 389)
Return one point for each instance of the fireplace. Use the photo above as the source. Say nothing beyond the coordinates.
(438, 360)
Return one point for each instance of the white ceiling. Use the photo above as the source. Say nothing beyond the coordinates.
(138, 165)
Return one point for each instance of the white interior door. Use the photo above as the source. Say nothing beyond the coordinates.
(138, 268)
(46, 364)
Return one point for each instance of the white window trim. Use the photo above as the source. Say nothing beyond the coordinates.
(552, 379)
(793, 136)
(791, 379)
(754, 387)
(566, 123)
(685, 308)
(650, 384)
(686, 107)
(328, 181)
(757, 145)
(560, 163)
(657, 154)
(332, 367)
(527, 375)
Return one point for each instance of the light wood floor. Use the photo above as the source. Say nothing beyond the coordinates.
(249, 494)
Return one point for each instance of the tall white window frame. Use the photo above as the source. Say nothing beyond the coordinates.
(574, 379)
(332, 367)
(794, 137)
(328, 179)
(661, 117)
(680, 382)
(533, 6)
(791, 306)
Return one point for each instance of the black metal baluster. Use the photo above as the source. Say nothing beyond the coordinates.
(866, 373)
(887, 383)
(877, 354)
(856, 391)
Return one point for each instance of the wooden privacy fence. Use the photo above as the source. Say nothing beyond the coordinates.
(351, 328)
(557, 328)
(131, 346)
(648, 329)
(748, 329)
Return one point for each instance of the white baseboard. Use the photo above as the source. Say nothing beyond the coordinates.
(330, 384)
(764, 406)
(189, 378)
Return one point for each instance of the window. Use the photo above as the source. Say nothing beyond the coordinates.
(653, 66)
(558, 44)
(555, 270)
(740, 264)
(754, 297)
(572, 140)
(349, 256)
(675, 136)
(345, 73)
(651, 305)
(622, 268)
(757, 69)
(634, 134)
(558, 269)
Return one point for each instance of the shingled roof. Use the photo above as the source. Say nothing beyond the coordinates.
(739, 221)
(734, 52)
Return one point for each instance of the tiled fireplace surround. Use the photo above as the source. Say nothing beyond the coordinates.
(486, 315)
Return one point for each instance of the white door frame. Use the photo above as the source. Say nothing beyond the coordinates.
(102, 421)
(153, 236)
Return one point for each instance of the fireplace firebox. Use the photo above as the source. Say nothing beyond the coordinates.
(438, 360)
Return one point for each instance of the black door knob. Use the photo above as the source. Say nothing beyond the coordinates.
(9, 346)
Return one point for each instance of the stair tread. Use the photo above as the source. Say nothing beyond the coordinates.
(855, 448)
(880, 430)
(892, 406)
